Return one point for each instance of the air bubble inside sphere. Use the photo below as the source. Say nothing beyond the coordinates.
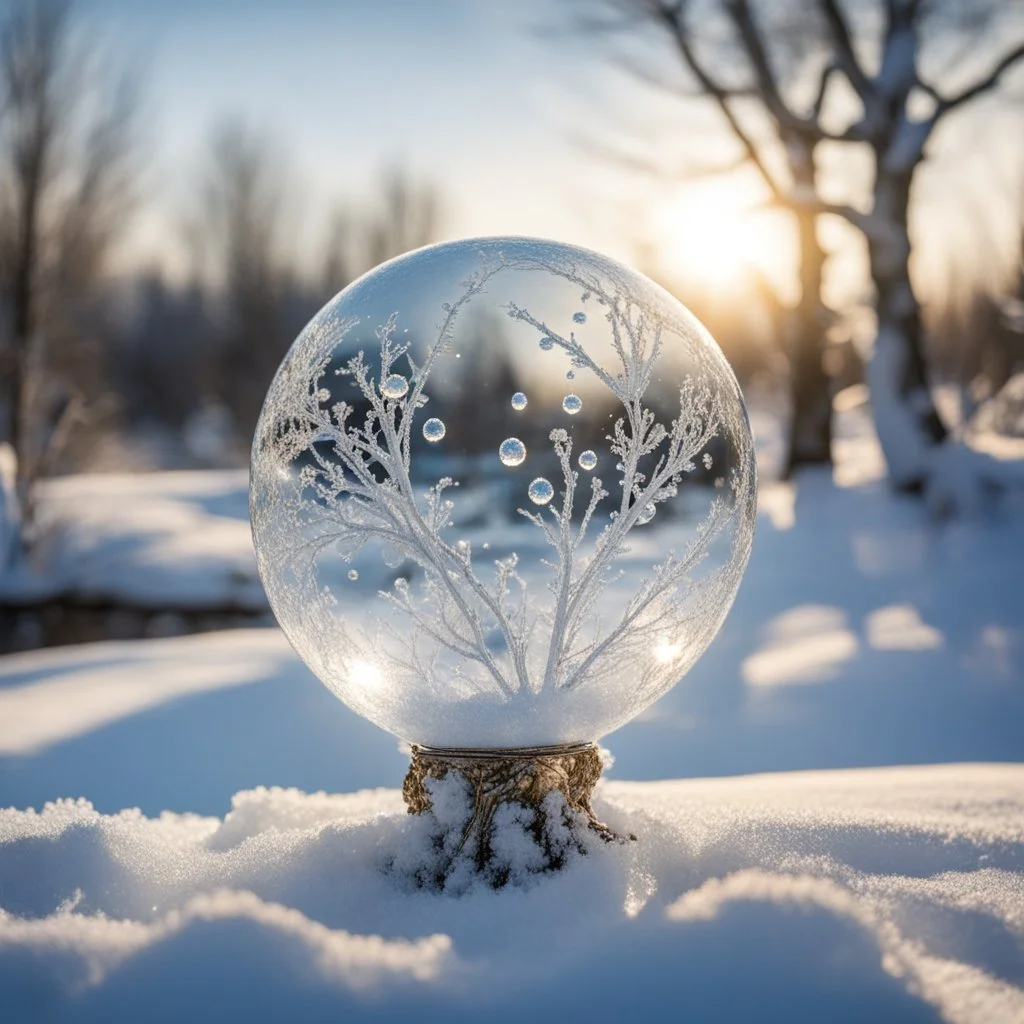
(512, 452)
(436, 587)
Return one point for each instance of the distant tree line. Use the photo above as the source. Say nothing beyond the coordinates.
(86, 356)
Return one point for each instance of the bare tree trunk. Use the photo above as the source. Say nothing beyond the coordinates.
(23, 293)
(810, 438)
(65, 177)
(906, 420)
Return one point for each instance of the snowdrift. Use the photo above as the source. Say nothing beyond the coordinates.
(893, 894)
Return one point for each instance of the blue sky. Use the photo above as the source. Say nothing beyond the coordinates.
(469, 94)
(475, 95)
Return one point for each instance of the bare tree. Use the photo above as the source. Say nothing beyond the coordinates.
(877, 54)
(406, 215)
(66, 174)
(909, 427)
(732, 57)
(240, 239)
(244, 238)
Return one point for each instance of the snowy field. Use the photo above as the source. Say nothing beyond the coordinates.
(864, 635)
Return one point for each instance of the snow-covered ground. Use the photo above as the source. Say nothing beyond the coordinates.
(892, 894)
(863, 635)
(152, 540)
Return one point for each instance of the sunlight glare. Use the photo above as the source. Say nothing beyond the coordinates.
(713, 233)
(665, 651)
(365, 675)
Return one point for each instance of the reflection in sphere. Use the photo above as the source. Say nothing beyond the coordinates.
(467, 569)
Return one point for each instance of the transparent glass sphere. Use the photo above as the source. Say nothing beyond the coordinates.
(503, 493)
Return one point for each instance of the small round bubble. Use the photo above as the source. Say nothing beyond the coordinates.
(588, 459)
(646, 513)
(579, 318)
(394, 386)
(572, 404)
(353, 574)
(547, 343)
(512, 452)
(519, 401)
(541, 491)
(434, 429)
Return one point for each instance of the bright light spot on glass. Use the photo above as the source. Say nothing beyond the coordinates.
(365, 675)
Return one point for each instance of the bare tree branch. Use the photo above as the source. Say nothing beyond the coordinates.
(846, 57)
(66, 171)
(830, 69)
(768, 87)
(986, 84)
(670, 16)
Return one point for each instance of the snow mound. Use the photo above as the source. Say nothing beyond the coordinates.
(870, 894)
(150, 540)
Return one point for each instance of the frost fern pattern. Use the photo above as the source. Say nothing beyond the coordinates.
(480, 627)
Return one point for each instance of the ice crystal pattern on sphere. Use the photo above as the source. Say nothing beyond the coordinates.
(519, 401)
(579, 318)
(572, 404)
(512, 452)
(429, 586)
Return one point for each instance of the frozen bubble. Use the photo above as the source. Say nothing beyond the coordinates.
(541, 491)
(579, 318)
(512, 452)
(393, 557)
(572, 404)
(519, 401)
(708, 461)
(434, 429)
(394, 386)
(547, 343)
(570, 374)
(353, 574)
(588, 459)
(646, 514)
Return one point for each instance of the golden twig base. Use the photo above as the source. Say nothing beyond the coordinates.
(522, 776)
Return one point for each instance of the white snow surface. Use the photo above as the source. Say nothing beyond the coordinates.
(864, 634)
(884, 894)
(153, 540)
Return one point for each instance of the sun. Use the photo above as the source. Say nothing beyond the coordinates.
(716, 233)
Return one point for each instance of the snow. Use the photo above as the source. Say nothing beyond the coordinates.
(150, 540)
(871, 894)
(73, 692)
(865, 634)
